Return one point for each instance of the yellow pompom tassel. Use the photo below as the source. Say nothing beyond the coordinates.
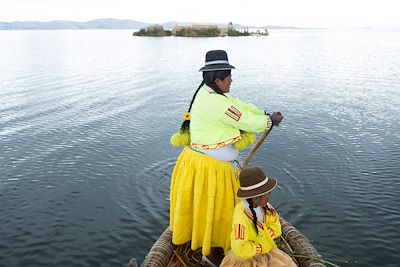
(181, 138)
(246, 139)
(252, 139)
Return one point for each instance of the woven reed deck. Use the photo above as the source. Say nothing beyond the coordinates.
(165, 254)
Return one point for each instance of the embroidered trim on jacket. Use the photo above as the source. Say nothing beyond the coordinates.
(233, 113)
(239, 231)
(250, 216)
(218, 145)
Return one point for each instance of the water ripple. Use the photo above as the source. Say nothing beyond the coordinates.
(85, 160)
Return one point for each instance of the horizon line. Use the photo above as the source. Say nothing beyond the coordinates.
(185, 22)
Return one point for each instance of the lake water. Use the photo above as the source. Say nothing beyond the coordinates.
(86, 117)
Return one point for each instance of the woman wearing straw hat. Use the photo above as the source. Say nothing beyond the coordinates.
(255, 225)
(203, 184)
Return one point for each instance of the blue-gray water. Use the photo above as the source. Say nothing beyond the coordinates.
(86, 116)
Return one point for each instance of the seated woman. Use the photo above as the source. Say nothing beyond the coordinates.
(255, 225)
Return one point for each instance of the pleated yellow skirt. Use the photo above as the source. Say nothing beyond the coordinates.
(202, 201)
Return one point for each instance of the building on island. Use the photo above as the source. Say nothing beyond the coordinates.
(204, 27)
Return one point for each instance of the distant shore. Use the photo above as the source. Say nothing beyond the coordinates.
(110, 24)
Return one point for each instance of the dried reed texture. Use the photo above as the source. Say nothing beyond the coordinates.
(302, 249)
(165, 254)
(161, 252)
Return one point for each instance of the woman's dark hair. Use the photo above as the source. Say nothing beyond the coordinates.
(186, 123)
(254, 214)
(209, 78)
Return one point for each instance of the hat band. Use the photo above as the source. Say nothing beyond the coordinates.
(254, 186)
(217, 62)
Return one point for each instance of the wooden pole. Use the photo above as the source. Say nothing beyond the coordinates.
(255, 147)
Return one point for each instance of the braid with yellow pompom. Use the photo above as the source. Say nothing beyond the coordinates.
(182, 137)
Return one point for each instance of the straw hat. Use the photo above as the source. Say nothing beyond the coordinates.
(254, 183)
(216, 60)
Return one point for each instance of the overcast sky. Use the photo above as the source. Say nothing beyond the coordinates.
(300, 13)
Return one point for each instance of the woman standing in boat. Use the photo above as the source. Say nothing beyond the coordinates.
(204, 183)
(255, 225)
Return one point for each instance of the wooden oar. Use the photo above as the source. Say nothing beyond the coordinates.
(255, 147)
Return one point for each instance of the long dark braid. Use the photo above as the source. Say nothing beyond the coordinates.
(254, 214)
(186, 123)
(208, 79)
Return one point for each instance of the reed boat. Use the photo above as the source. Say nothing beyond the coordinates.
(165, 254)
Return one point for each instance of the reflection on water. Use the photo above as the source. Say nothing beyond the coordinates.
(86, 116)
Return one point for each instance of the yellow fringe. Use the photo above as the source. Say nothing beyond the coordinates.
(246, 139)
(181, 138)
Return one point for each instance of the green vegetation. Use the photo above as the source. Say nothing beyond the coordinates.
(158, 31)
(155, 32)
(187, 32)
(233, 32)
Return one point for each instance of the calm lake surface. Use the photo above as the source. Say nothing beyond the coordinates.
(86, 117)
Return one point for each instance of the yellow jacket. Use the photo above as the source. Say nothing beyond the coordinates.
(216, 120)
(245, 243)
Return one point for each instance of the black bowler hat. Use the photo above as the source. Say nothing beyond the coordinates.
(216, 60)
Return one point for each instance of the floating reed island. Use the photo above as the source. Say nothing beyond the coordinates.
(199, 30)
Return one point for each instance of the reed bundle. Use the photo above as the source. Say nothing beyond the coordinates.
(292, 242)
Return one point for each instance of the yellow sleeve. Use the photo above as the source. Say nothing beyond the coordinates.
(265, 241)
(246, 106)
(241, 245)
(272, 222)
(243, 240)
(245, 117)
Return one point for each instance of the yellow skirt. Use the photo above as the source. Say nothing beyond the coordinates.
(202, 200)
(274, 258)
